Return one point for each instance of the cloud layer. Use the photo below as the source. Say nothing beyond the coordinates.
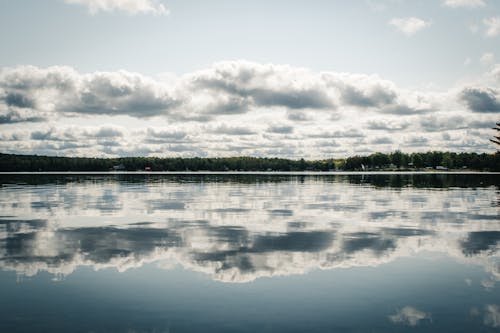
(238, 107)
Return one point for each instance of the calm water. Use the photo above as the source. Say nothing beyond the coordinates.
(249, 253)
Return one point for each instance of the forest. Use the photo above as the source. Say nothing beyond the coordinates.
(378, 161)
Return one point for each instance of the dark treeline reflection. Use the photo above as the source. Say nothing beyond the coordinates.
(427, 180)
(430, 180)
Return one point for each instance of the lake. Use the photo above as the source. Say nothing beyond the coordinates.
(250, 253)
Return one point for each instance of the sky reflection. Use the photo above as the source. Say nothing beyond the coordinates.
(237, 231)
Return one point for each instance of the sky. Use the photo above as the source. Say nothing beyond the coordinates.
(294, 79)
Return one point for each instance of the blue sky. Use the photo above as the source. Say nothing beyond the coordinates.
(265, 78)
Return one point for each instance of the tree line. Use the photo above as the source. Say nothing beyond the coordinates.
(432, 160)
(378, 161)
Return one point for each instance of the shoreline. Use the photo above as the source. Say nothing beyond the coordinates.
(263, 173)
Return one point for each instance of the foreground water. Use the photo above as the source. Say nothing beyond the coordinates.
(243, 253)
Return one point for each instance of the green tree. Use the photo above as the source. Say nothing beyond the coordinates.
(380, 160)
(417, 160)
(448, 161)
(397, 158)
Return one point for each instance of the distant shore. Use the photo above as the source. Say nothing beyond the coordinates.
(396, 162)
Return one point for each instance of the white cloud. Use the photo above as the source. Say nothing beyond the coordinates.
(30, 91)
(492, 26)
(464, 3)
(408, 316)
(487, 58)
(227, 109)
(131, 7)
(409, 25)
(227, 88)
(495, 73)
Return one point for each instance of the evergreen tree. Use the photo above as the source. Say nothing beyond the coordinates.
(496, 138)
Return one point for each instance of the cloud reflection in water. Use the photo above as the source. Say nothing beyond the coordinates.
(271, 227)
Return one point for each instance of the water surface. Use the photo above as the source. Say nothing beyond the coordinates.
(247, 253)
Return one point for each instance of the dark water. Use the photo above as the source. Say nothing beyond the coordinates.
(416, 253)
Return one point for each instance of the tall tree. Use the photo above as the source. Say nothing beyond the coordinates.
(496, 138)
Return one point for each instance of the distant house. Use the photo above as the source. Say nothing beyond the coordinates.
(119, 167)
(440, 167)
